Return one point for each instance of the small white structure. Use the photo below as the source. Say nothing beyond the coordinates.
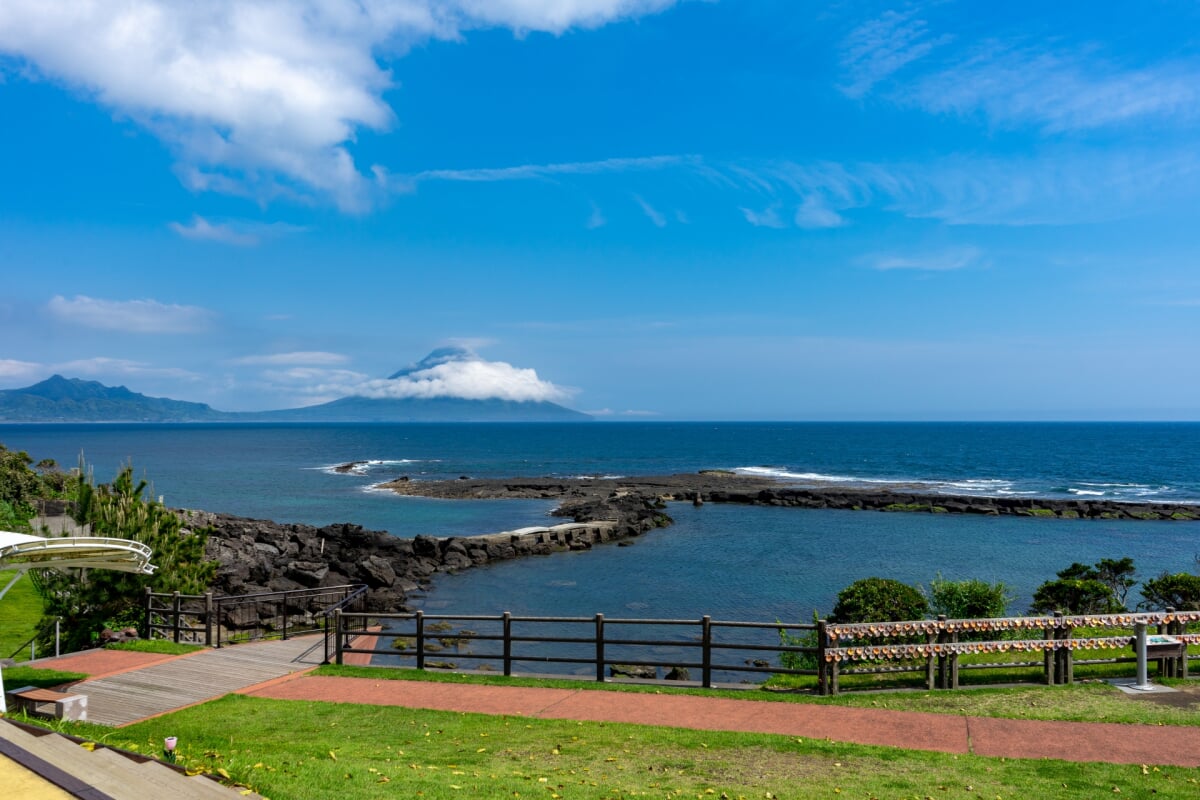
(23, 552)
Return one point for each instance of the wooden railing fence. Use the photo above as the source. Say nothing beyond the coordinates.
(607, 645)
(220, 620)
(933, 647)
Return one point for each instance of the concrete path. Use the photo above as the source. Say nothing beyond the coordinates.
(129, 691)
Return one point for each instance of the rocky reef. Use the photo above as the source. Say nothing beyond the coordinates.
(263, 556)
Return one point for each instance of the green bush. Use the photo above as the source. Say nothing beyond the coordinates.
(968, 599)
(1083, 589)
(1179, 591)
(790, 660)
(1075, 596)
(879, 600)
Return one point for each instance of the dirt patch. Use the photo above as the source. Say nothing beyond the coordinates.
(1186, 697)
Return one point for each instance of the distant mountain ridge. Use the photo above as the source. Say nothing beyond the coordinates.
(59, 399)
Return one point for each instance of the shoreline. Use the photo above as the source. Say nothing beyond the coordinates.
(588, 499)
(261, 555)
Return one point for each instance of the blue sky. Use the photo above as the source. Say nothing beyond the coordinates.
(640, 208)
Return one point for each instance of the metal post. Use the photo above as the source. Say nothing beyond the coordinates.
(822, 665)
(147, 619)
(943, 681)
(1060, 672)
(420, 620)
(208, 619)
(930, 672)
(1139, 631)
(507, 626)
(175, 625)
(57, 635)
(600, 648)
(706, 651)
(337, 634)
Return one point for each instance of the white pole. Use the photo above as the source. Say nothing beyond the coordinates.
(1139, 629)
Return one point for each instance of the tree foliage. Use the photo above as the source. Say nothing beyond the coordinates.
(22, 485)
(1180, 591)
(1100, 588)
(968, 599)
(879, 600)
(87, 601)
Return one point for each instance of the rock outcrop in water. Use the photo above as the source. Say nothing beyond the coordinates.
(264, 556)
(717, 486)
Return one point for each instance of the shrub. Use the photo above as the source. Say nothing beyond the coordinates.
(1075, 596)
(879, 600)
(968, 599)
(791, 660)
(1180, 591)
(1082, 589)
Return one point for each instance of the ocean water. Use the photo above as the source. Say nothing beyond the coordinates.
(729, 562)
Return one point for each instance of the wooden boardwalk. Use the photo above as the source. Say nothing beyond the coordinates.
(131, 696)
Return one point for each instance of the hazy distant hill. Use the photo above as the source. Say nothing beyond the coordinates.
(59, 399)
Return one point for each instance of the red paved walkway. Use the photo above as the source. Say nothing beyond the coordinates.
(1071, 741)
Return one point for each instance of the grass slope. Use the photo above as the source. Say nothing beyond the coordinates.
(20, 611)
(291, 749)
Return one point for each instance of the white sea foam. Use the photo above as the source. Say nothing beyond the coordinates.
(784, 474)
(364, 467)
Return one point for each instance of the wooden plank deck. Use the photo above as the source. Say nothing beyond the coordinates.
(128, 697)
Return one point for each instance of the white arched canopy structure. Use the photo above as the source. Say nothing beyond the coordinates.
(23, 552)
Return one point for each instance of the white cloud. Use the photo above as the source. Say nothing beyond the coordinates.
(1058, 186)
(767, 218)
(11, 369)
(470, 380)
(262, 98)
(1058, 91)
(245, 234)
(525, 172)
(652, 214)
(596, 218)
(814, 213)
(880, 47)
(554, 16)
(117, 367)
(943, 261)
(298, 358)
(453, 371)
(129, 316)
(203, 230)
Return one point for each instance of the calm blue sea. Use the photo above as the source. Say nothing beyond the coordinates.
(730, 562)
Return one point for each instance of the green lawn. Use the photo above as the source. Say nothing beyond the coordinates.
(304, 750)
(20, 611)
